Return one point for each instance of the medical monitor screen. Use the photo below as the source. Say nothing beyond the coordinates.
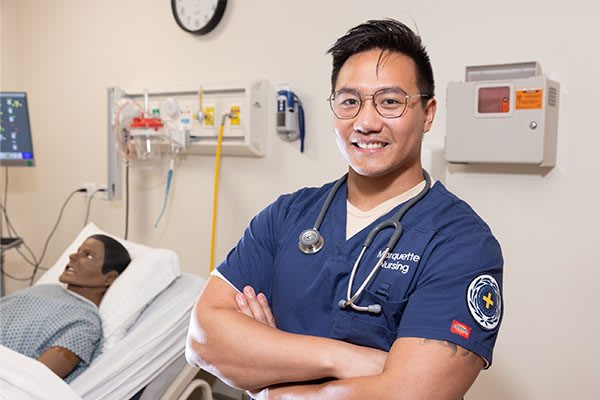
(16, 146)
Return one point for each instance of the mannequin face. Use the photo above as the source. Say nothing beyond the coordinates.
(85, 267)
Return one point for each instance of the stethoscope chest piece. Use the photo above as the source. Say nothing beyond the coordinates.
(310, 241)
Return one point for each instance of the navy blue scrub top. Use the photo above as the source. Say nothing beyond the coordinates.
(442, 281)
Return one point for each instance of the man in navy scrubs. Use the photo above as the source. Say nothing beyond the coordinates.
(269, 319)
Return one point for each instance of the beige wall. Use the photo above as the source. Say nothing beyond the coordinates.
(65, 53)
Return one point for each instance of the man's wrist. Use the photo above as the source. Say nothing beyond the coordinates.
(335, 358)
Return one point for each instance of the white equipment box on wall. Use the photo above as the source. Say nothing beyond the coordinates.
(505, 114)
(245, 135)
(198, 110)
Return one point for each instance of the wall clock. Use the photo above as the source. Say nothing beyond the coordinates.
(198, 16)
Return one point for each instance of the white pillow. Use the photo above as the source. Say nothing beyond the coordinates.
(148, 274)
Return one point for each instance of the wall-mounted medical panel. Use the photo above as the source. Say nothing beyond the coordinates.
(198, 111)
(506, 114)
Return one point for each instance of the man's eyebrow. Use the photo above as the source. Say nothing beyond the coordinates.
(390, 88)
(346, 89)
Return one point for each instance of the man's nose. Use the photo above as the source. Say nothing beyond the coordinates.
(368, 119)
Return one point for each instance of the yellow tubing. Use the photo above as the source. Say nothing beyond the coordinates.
(215, 196)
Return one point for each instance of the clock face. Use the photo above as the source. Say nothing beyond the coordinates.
(198, 16)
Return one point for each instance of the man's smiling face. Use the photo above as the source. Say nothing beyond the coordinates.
(371, 144)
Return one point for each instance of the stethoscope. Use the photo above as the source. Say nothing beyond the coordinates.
(311, 241)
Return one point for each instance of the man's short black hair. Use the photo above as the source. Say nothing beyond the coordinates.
(388, 35)
(116, 256)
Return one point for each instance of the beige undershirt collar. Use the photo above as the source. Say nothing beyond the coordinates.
(357, 220)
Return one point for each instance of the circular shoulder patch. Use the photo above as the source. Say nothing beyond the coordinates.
(485, 304)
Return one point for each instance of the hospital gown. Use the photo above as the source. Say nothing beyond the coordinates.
(39, 317)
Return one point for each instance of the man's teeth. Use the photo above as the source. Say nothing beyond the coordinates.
(370, 145)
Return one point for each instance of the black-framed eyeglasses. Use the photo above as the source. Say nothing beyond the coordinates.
(389, 102)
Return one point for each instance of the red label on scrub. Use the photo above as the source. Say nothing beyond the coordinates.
(460, 329)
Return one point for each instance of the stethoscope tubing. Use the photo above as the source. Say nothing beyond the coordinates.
(352, 298)
(316, 243)
(394, 222)
(328, 201)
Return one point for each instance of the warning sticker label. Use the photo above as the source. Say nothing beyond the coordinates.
(529, 99)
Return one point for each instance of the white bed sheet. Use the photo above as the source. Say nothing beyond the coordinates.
(153, 342)
(151, 345)
(23, 378)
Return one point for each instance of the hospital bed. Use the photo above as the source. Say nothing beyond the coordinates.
(149, 344)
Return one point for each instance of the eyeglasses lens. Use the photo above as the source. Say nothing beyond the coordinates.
(389, 103)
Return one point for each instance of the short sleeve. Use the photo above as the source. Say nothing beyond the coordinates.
(458, 297)
(250, 262)
(78, 332)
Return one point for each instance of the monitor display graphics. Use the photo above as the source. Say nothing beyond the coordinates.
(16, 146)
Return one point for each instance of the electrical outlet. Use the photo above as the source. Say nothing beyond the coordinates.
(89, 188)
(102, 192)
(95, 189)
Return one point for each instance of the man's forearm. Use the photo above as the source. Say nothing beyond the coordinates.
(248, 354)
(359, 388)
(345, 389)
(416, 368)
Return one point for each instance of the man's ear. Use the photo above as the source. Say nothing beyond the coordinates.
(430, 110)
(110, 277)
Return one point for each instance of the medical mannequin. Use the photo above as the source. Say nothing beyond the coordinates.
(61, 327)
(270, 319)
